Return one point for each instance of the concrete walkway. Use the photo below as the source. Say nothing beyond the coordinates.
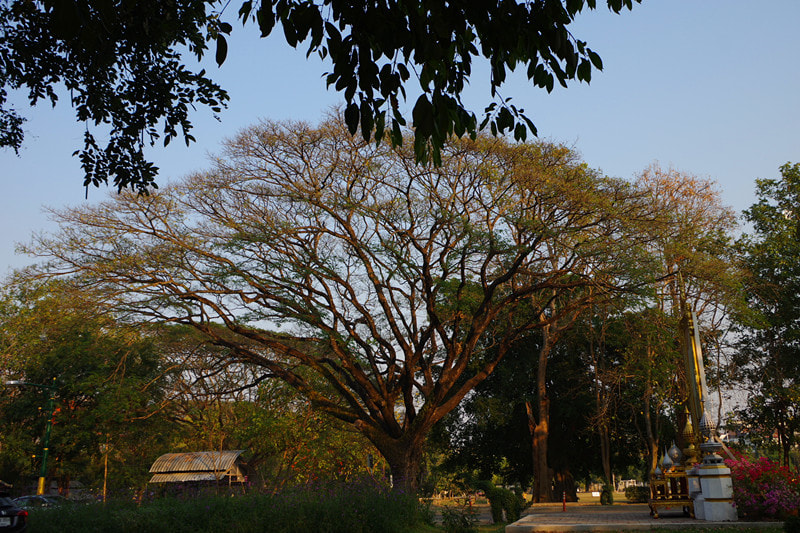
(619, 517)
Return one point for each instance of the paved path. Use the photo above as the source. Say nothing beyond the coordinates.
(620, 517)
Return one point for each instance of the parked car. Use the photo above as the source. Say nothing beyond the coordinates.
(13, 519)
(36, 501)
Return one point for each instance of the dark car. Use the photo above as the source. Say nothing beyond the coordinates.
(13, 519)
(38, 501)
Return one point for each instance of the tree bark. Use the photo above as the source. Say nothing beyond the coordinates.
(564, 483)
(605, 452)
(404, 456)
(541, 470)
(783, 439)
(652, 442)
(542, 489)
(405, 468)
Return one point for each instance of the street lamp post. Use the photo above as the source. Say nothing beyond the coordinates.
(51, 406)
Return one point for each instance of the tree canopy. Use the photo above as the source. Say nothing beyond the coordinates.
(122, 64)
(323, 253)
(626, 344)
(769, 349)
(108, 381)
(128, 394)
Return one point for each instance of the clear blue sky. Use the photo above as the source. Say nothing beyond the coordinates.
(709, 87)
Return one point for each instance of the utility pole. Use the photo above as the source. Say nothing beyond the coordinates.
(51, 413)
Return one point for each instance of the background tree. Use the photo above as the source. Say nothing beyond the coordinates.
(769, 349)
(569, 306)
(697, 270)
(146, 391)
(632, 349)
(492, 429)
(382, 277)
(597, 378)
(122, 65)
(539, 408)
(646, 377)
(108, 379)
(218, 404)
(488, 433)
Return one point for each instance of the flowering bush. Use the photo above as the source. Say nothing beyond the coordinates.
(764, 489)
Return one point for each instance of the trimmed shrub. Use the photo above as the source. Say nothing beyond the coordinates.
(792, 524)
(607, 495)
(637, 494)
(500, 500)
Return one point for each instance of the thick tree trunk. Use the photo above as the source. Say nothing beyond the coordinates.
(541, 471)
(564, 484)
(605, 452)
(786, 449)
(783, 439)
(529, 410)
(542, 488)
(406, 471)
(602, 429)
(405, 460)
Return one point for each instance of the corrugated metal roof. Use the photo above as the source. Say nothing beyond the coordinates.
(215, 461)
(181, 477)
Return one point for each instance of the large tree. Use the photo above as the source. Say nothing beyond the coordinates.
(122, 64)
(769, 351)
(379, 277)
(632, 342)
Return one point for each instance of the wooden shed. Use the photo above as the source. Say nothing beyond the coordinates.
(224, 466)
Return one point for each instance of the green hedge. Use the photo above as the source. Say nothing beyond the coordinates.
(333, 509)
(501, 499)
(637, 494)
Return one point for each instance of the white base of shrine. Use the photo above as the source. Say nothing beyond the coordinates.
(714, 502)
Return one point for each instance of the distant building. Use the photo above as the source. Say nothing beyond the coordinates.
(217, 467)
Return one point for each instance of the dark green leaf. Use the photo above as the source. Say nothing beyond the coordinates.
(585, 71)
(595, 59)
(520, 132)
(265, 18)
(244, 11)
(367, 122)
(351, 117)
(222, 49)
